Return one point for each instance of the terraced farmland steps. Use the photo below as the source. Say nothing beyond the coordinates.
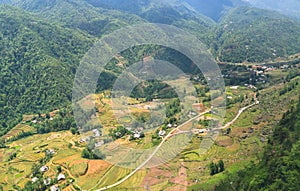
(205, 144)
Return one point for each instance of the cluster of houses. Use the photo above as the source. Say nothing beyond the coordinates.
(162, 133)
(48, 180)
(137, 133)
(96, 133)
(35, 121)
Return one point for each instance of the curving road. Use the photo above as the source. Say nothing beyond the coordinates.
(171, 134)
(237, 116)
(152, 155)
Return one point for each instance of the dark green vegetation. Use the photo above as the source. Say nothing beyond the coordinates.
(173, 108)
(279, 168)
(89, 154)
(215, 168)
(153, 90)
(38, 60)
(63, 121)
(118, 132)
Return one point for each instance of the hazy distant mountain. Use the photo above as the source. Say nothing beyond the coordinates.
(212, 8)
(287, 7)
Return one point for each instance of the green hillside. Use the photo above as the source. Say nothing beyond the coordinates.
(255, 35)
(78, 14)
(38, 61)
(279, 168)
(166, 12)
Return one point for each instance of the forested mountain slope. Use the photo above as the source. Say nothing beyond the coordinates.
(256, 35)
(38, 61)
(165, 12)
(214, 9)
(78, 14)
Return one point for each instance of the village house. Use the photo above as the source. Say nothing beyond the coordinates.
(193, 113)
(137, 135)
(83, 140)
(201, 131)
(54, 188)
(61, 177)
(44, 168)
(47, 181)
(259, 72)
(97, 133)
(34, 179)
(99, 144)
(234, 87)
(161, 133)
(51, 151)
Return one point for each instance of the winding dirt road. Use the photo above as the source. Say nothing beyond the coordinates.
(171, 134)
(152, 155)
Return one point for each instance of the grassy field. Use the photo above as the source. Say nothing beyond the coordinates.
(78, 169)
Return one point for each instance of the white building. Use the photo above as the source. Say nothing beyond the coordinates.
(96, 133)
(47, 181)
(161, 133)
(34, 179)
(54, 188)
(137, 135)
(99, 144)
(61, 176)
(44, 168)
